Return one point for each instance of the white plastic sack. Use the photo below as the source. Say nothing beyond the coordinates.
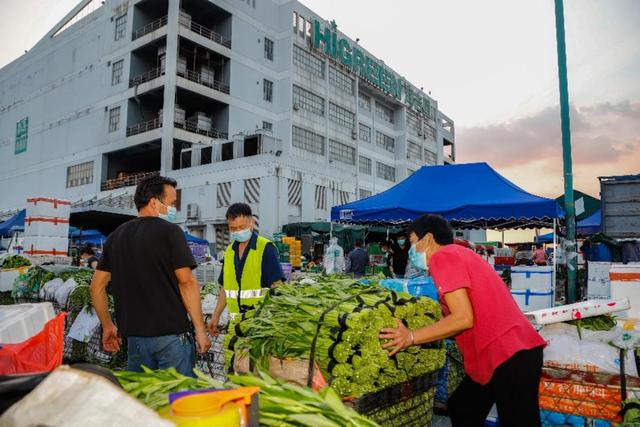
(48, 290)
(592, 353)
(73, 398)
(84, 326)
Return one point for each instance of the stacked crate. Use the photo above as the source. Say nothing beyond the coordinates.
(46, 230)
(295, 251)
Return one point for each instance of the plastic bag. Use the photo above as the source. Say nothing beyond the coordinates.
(592, 353)
(40, 353)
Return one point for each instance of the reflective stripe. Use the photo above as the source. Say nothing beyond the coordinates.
(250, 293)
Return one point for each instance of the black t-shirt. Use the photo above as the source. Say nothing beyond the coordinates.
(141, 256)
(91, 260)
(399, 259)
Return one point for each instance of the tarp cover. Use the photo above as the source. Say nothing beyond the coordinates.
(469, 195)
(13, 224)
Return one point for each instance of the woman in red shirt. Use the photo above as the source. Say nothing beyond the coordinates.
(502, 351)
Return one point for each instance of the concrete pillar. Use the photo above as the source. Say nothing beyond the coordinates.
(169, 102)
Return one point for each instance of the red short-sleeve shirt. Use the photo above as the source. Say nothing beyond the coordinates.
(499, 328)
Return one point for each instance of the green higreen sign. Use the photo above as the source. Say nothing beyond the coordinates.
(360, 63)
(22, 131)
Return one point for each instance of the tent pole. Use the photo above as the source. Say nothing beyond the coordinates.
(387, 234)
(555, 257)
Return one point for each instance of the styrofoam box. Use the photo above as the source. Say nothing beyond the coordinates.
(48, 206)
(532, 277)
(625, 283)
(8, 276)
(45, 245)
(598, 289)
(579, 310)
(598, 270)
(533, 299)
(19, 322)
(46, 226)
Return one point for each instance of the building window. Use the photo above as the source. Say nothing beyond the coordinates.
(341, 152)
(430, 158)
(81, 174)
(267, 90)
(429, 132)
(268, 49)
(114, 119)
(295, 22)
(267, 126)
(385, 171)
(121, 27)
(383, 112)
(364, 165)
(414, 151)
(341, 116)
(308, 62)
(385, 141)
(364, 101)
(116, 72)
(365, 193)
(414, 123)
(364, 132)
(308, 140)
(340, 80)
(306, 100)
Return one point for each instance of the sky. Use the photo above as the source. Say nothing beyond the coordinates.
(491, 65)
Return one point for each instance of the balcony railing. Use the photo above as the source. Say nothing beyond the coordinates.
(125, 181)
(144, 126)
(151, 26)
(197, 77)
(193, 127)
(152, 74)
(207, 33)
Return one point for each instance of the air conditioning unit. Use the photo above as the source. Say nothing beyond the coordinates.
(193, 211)
(354, 134)
(296, 107)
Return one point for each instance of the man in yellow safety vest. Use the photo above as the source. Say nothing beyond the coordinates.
(251, 266)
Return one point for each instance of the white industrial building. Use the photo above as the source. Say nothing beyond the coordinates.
(260, 101)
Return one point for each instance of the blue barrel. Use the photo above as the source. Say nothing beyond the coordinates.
(600, 252)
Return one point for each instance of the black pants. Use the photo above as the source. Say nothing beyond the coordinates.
(513, 388)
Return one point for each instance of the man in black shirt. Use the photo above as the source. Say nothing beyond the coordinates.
(149, 265)
(400, 255)
(358, 259)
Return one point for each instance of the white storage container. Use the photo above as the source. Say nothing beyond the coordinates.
(8, 276)
(533, 277)
(44, 245)
(19, 322)
(533, 299)
(46, 226)
(625, 283)
(48, 206)
(598, 283)
(579, 310)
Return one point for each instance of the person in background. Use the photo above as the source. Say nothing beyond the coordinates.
(250, 267)
(502, 351)
(400, 256)
(358, 259)
(539, 255)
(386, 252)
(88, 257)
(149, 264)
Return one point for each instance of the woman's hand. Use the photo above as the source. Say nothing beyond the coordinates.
(400, 338)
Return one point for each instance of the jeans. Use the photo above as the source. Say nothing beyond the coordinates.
(167, 351)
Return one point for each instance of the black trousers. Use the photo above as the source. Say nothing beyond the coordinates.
(513, 388)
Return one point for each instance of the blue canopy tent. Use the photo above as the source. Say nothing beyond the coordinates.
(586, 227)
(468, 195)
(87, 237)
(193, 239)
(13, 224)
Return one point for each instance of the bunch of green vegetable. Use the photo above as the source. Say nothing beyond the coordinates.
(281, 404)
(81, 276)
(15, 261)
(347, 317)
(209, 288)
(595, 323)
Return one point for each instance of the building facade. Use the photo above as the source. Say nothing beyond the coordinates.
(259, 101)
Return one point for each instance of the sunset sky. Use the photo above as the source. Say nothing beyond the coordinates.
(491, 65)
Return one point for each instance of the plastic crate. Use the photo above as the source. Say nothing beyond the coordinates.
(406, 404)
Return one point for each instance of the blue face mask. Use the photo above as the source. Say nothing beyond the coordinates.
(241, 236)
(401, 242)
(170, 215)
(417, 259)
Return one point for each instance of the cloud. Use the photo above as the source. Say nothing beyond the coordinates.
(605, 141)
